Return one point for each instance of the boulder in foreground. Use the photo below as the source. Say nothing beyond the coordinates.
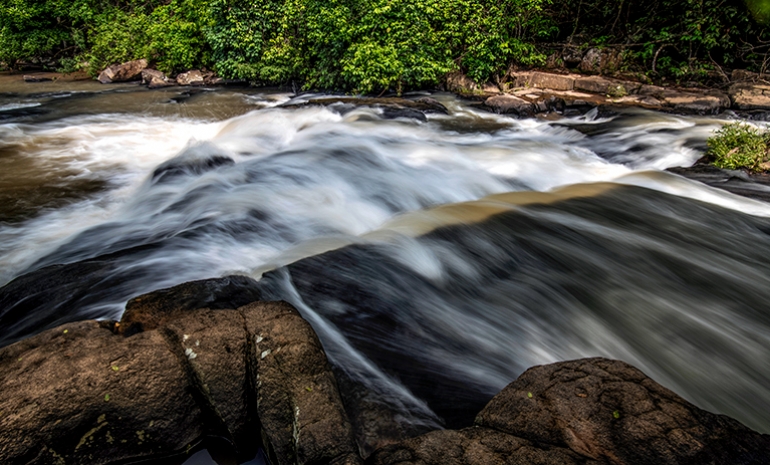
(224, 379)
(591, 411)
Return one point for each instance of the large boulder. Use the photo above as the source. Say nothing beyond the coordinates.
(221, 379)
(591, 411)
(124, 72)
(608, 410)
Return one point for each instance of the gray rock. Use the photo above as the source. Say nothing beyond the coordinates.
(190, 78)
(124, 72)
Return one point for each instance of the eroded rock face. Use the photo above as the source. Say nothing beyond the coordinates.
(83, 393)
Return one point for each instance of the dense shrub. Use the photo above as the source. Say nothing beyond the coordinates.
(739, 146)
(379, 45)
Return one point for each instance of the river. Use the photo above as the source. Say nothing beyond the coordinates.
(436, 259)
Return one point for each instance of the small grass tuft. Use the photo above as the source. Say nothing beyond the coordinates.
(740, 146)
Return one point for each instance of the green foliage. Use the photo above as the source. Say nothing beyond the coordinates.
(739, 146)
(374, 46)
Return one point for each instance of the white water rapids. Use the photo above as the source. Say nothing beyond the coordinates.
(303, 181)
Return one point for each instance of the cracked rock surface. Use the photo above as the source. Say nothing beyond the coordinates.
(590, 411)
(226, 379)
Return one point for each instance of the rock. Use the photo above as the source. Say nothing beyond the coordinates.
(753, 186)
(696, 102)
(376, 423)
(82, 393)
(474, 446)
(394, 113)
(550, 81)
(158, 83)
(591, 411)
(155, 79)
(741, 75)
(591, 62)
(149, 311)
(149, 73)
(36, 78)
(593, 84)
(190, 78)
(124, 72)
(572, 57)
(297, 398)
(609, 411)
(460, 83)
(506, 104)
(750, 96)
(191, 163)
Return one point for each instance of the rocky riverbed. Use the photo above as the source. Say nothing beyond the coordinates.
(171, 378)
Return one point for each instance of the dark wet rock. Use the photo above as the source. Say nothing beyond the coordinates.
(376, 423)
(591, 411)
(190, 78)
(81, 393)
(609, 411)
(395, 113)
(180, 166)
(298, 402)
(124, 72)
(152, 310)
(754, 186)
(53, 295)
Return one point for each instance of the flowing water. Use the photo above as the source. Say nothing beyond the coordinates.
(437, 260)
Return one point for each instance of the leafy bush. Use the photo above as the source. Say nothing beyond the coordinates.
(739, 146)
(380, 45)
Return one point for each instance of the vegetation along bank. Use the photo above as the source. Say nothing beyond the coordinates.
(373, 46)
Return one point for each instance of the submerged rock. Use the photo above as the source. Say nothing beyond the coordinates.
(753, 186)
(129, 71)
(193, 164)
